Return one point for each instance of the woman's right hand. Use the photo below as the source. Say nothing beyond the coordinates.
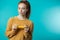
(14, 27)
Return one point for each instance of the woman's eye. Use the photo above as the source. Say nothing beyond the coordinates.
(23, 8)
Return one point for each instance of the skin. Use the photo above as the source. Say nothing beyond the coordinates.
(22, 9)
(22, 16)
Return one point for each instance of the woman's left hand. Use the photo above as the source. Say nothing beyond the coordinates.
(26, 28)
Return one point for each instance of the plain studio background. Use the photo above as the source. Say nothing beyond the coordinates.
(45, 15)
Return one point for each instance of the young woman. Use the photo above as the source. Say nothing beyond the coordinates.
(20, 27)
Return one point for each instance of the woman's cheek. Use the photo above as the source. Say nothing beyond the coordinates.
(23, 11)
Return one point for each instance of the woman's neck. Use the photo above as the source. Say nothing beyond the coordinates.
(21, 17)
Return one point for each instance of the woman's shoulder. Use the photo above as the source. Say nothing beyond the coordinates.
(30, 21)
(12, 18)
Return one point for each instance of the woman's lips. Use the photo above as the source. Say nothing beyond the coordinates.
(22, 13)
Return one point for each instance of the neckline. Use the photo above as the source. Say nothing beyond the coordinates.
(20, 19)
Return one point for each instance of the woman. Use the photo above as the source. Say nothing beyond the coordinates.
(20, 27)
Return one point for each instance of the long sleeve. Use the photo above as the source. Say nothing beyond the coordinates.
(28, 35)
(31, 28)
(19, 34)
(30, 31)
(9, 32)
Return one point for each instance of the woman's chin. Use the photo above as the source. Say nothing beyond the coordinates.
(22, 14)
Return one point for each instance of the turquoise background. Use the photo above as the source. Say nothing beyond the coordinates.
(45, 15)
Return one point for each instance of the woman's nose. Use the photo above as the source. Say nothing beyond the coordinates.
(21, 10)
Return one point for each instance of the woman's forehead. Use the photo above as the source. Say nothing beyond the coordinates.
(22, 5)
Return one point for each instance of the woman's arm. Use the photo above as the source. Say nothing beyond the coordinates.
(9, 32)
(31, 28)
(28, 30)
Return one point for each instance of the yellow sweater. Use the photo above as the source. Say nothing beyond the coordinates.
(19, 34)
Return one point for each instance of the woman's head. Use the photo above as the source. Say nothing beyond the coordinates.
(24, 8)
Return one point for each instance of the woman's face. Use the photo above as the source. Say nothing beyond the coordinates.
(22, 9)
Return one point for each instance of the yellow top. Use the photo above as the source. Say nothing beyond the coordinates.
(19, 34)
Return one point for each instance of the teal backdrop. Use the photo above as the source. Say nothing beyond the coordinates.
(45, 15)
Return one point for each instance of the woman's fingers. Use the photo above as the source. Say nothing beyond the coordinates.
(14, 27)
(26, 28)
